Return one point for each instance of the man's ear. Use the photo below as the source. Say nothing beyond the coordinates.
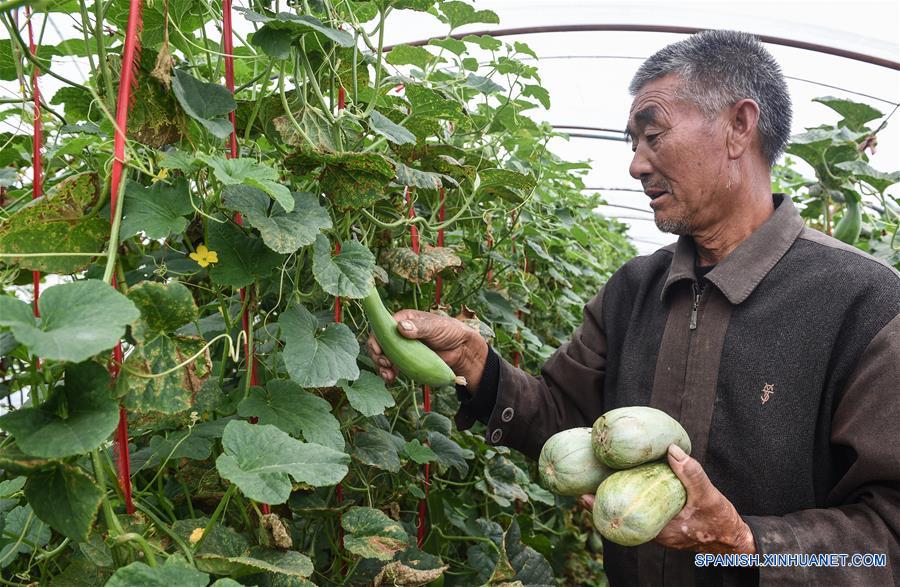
(741, 130)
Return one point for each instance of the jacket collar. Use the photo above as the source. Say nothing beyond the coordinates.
(739, 273)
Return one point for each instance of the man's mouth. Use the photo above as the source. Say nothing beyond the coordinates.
(655, 193)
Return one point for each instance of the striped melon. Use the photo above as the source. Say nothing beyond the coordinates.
(567, 463)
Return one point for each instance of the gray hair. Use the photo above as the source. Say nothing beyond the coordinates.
(720, 68)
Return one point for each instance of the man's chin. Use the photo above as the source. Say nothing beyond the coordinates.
(676, 226)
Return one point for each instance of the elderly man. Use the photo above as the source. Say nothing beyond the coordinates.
(776, 346)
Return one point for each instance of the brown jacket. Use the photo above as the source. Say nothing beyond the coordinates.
(785, 372)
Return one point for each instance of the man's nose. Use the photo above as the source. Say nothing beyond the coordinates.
(640, 166)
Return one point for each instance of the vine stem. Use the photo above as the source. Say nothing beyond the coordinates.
(382, 15)
(113, 246)
(223, 503)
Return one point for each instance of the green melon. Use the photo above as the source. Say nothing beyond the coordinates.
(567, 463)
(627, 437)
(633, 506)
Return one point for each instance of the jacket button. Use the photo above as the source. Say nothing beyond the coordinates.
(507, 414)
(496, 435)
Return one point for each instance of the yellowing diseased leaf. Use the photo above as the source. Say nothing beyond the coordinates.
(372, 534)
(422, 267)
(398, 574)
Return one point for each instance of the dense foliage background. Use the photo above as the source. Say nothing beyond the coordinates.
(346, 153)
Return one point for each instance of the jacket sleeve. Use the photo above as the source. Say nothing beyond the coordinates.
(527, 410)
(864, 516)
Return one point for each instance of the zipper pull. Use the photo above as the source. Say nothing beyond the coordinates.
(696, 289)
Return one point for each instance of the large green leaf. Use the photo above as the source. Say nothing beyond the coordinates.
(59, 222)
(378, 448)
(261, 460)
(450, 454)
(273, 41)
(207, 103)
(250, 172)
(482, 84)
(242, 258)
(371, 534)
(411, 55)
(259, 559)
(395, 133)
(419, 452)
(315, 126)
(174, 572)
(421, 267)
(22, 533)
(877, 179)
(428, 180)
(855, 114)
(158, 210)
(368, 395)
(67, 499)
(299, 24)
(429, 103)
(294, 410)
(317, 357)
(78, 320)
(76, 418)
(164, 307)
(349, 273)
(460, 13)
(14, 461)
(283, 232)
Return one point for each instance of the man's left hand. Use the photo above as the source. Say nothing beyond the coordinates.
(708, 522)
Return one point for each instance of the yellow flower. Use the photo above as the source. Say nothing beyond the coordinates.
(204, 256)
(196, 535)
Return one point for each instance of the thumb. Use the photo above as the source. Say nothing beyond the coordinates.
(414, 324)
(688, 471)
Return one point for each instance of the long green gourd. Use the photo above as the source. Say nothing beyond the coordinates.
(412, 357)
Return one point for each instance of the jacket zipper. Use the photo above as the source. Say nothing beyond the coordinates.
(696, 305)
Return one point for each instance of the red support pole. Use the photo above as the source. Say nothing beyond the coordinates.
(339, 317)
(37, 183)
(127, 80)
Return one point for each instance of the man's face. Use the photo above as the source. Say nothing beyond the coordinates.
(679, 157)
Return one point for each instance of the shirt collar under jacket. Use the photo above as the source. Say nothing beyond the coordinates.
(739, 273)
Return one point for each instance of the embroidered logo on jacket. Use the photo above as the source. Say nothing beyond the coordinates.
(768, 391)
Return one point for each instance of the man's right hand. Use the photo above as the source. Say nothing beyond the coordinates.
(459, 345)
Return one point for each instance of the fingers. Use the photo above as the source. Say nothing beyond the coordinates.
(587, 501)
(689, 471)
(422, 325)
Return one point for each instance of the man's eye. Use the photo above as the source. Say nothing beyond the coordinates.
(651, 138)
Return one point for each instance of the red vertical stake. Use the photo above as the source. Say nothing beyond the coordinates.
(127, 80)
(37, 184)
(339, 317)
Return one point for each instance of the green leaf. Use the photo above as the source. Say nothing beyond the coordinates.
(430, 104)
(21, 523)
(347, 274)
(158, 210)
(12, 486)
(242, 258)
(486, 42)
(855, 114)
(368, 395)
(207, 103)
(378, 448)
(294, 410)
(317, 128)
(350, 180)
(299, 24)
(76, 418)
(877, 179)
(450, 44)
(410, 55)
(289, 563)
(371, 534)
(459, 14)
(437, 422)
(317, 357)
(541, 94)
(59, 222)
(419, 453)
(261, 460)
(164, 307)
(395, 133)
(14, 461)
(450, 454)
(78, 320)
(67, 499)
(274, 42)
(175, 571)
(250, 172)
(482, 84)
(283, 232)
(426, 180)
